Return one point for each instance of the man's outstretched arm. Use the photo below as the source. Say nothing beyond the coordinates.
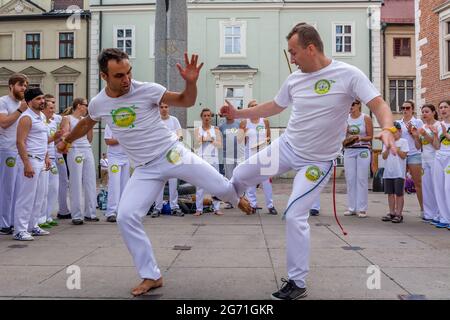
(384, 116)
(80, 130)
(263, 110)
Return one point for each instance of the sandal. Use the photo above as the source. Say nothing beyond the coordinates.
(388, 217)
(397, 219)
(197, 214)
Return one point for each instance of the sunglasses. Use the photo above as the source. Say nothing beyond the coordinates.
(406, 108)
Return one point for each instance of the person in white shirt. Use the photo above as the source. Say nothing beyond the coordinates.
(357, 159)
(11, 107)
(208, 141)
(131, 109)
(257, 137)
(80, 160)
(394, 176)
(104, 167)
(429, 139)
(320, 93)
(174, 125)
(119, 167)
(410, 126)
(51, 184)
(441, 169)
(32, 140)
(63, 172)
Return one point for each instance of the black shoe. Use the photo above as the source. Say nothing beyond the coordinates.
(6, 231)
(289, 291)
(64, 216)
(77, 222)
(177, 212)
(156, 213)
(111, 219)
(273, 211)
(91, 219)
(313, 212)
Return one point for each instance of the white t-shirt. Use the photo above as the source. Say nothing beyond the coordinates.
(83, 142)
(321, 103)
(104, 163)
(172, 123)
(405, 135)
(445, 144)
(52, 126)
(115, 151)
(394, 166)
(37, 139)
(428, 151)
(135, 121)
(8, 137)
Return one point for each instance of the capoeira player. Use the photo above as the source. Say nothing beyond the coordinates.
(320, 93)
(131, 109)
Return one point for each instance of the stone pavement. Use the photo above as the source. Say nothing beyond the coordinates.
(236, 256)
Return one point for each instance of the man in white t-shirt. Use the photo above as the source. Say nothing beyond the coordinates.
(104, 165)
(131, 109)
(11, 107)
(320, 93)
(174, 126)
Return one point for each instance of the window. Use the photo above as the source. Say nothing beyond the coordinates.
(124, 39)
(343, 37)
(235, 95)
(66, 45)
(444, 42)
(6, 45)
(33, 45)
(400, 91)
(402, 47)
(33, 85)
(232, 38)
(65, 96)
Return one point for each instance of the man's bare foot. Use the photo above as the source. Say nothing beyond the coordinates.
(197, 214)
(146, 285)
(218, 213)
(245, 206)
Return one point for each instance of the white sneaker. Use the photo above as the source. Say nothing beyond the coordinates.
(39, 232)
(23, 236)
(349, 213)
(362, 214)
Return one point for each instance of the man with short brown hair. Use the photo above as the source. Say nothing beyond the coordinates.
(11, 107)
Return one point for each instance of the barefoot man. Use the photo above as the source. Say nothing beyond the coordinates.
(131, 109)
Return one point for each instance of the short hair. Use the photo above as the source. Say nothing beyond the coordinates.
(17, 78)
(110, 54)
(307, 35)
(411, 103)
(49, 96)
(205, 110)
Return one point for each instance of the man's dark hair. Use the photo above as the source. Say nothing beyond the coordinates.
(307, 35)
(110, 54)
(17, 78)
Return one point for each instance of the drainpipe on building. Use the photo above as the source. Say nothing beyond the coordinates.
(383, 28)
(370, 48)
(100, 28)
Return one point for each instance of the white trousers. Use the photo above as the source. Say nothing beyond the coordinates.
(311, 178)
(430, 206)
(82, 180)
(63, 209)
(441, 175)
(30, 196)
(199, 194)
(51, 184)
(267, 188)
(144, 186)
(356, 165)
(173, 196)
(8, 177)
(119, 174)
(229, 168)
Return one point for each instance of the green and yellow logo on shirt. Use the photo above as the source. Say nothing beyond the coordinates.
(124, 117)
(445, 142)
(52, 132)
(313, 173)
(447, 170)
(354, 129)
(78, 159)
(61, 160)
(260, 128)
(424, 141)
(10, 162)
(322, 86)
(173, 156)
(54, 170)
(114, 168)
(364, 154)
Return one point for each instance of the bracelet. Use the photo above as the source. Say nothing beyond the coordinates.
(390, 129)
(20, 111)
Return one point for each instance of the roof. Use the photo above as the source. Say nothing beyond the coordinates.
(398, 12)
(233, 67)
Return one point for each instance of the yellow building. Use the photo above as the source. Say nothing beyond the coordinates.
(48, 42)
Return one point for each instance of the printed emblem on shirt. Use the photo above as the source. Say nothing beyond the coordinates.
(364, 154)
(447, 170)
(114, 168)
(173, 156)
(10, 162)
(424, 141)
(354, 129)
(61, 160)
(323, 86)
(313, 173)
(79, 159)
(124, 117)
(260, 128)
(445, 142)
(54, 170)
(52, 132)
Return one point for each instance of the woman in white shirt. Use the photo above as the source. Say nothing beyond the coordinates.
(409, 125)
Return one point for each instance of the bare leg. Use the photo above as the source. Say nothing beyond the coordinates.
(400, 203)
(416, 174)
(146, 285)
(391, 200)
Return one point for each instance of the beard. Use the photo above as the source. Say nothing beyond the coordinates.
(19, 95)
